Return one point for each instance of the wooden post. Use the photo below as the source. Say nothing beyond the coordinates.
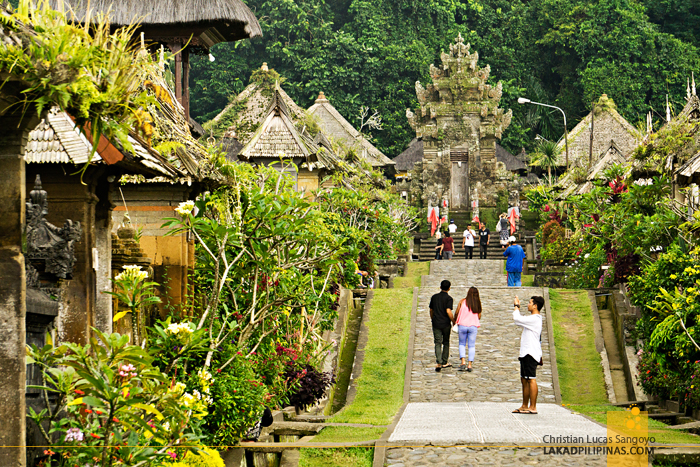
(186, 83)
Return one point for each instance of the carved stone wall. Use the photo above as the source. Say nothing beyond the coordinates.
(459, 115)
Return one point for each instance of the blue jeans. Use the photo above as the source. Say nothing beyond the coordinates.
(467, 335)
(514, 279)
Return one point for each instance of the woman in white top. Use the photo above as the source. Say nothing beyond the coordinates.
(468, 242)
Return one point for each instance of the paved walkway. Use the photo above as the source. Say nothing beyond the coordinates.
(456, 408)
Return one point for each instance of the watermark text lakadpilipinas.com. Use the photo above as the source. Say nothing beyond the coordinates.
(627, 442)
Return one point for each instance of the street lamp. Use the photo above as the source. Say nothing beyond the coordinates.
(522, 100)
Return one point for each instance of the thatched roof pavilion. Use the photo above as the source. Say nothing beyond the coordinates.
(196, 24)
(209, 21)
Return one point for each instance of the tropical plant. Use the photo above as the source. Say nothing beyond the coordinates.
(107, 405)
(133, 289)
(546, 155)
(89, 70)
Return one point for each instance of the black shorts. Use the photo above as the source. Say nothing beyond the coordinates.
(528, 367)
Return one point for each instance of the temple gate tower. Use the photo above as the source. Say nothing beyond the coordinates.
(459, 122)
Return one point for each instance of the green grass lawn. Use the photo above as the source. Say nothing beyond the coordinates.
(580, 373)
(380, 385)
(347, 434)
(528, 281)
(336, 457)
(415, 271)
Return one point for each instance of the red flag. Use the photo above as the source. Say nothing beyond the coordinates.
(433, 219)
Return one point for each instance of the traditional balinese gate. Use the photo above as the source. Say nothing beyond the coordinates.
(459, 180)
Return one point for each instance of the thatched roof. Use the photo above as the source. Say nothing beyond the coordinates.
(407, 159)
(608, 125)
(691, 168)
(613, 156)
(220, 20)
(277, 137)
(244, 114)
(512, 163)
(337, 127)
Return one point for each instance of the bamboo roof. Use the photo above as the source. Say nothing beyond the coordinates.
(57, 140)
(336, 126)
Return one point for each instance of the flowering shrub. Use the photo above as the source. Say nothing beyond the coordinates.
(132, 288)
(204, 458)
(313, 385)
(112, 406)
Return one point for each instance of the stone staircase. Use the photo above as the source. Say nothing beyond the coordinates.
(427, 247)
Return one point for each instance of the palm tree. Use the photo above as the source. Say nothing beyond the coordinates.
(546, 155)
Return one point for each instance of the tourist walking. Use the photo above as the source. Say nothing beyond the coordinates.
(502, 227)
(452, 228)
(484, 239)
(467, 319)
(448, 246)
(438, 248)
(442, 320)
(530, 351)
(468, 242)
(515, 262)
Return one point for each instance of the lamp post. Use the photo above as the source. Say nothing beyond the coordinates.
(522, 100)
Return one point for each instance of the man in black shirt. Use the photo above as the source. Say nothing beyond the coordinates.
(442, 319)
(484, 239)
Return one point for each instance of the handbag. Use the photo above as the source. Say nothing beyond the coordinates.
(455, 328)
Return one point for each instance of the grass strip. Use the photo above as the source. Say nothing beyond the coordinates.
(580, 373)
(336, 457)
(380, 384)
(348, 434)
(415, 271)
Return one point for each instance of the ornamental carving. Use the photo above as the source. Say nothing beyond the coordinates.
(46, 243)
(459, 89)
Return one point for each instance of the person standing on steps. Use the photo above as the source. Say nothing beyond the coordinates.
(468, 242)
(503, 232)
(530, 351)
(484, 239)
(449, 246)
(452, 228)
(442, 320)
(439, 247)
(467, 319)
(515, 261)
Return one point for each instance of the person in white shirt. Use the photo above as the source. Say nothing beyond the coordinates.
(530, 351)
(468, 242)
(452, 228)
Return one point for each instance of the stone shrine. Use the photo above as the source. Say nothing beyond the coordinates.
(459, 122)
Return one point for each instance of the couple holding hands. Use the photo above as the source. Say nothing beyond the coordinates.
(466, 320)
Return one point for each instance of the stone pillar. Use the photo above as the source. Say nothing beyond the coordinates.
(13, 139)
(103, 268)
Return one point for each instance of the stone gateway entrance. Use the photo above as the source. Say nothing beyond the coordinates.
(459, 121)
(459, 180)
